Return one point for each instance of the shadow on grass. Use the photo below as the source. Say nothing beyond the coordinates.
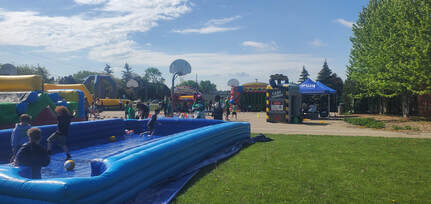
(314, 124)
(206, 170)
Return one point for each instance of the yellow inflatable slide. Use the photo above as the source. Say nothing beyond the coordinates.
(81, 87)
(20, 83)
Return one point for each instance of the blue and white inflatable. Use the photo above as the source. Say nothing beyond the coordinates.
(117, 177)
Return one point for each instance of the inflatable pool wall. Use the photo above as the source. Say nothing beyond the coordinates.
(119, 177)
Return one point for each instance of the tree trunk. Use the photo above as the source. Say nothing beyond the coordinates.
(385, 105)
(405, 104)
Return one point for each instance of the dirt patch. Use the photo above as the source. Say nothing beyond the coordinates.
(416, 124)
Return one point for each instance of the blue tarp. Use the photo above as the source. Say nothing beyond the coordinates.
(311, 87)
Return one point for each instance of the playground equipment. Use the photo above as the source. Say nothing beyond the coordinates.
(99, 88)
(20, 83)
(121, 169)
(283, 101)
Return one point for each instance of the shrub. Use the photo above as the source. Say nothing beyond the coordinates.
(367, 122)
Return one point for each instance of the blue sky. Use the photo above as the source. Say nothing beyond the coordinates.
(221, 39)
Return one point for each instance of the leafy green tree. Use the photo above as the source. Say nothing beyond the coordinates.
(37, 70)
(153, 75)
(207, 87)
(304, 75)
(189, 83)
(67, 80)
(80, 76)
(391, 54)
(108, 69)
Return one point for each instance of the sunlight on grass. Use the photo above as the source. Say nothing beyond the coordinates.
(319, 169)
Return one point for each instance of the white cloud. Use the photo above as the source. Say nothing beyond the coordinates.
(90, 1)
(206, 30)
(346, 23)
(112, 24)
(317, 43)
(260, 46)
(212, 26)
(222, 21)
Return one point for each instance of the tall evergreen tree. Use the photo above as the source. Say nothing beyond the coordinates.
(127, 73)
(108, 69)
(304, 75)
(325, 73)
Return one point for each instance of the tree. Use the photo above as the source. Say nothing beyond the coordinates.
(207, 87)
(67, 80)
(108, 69)
(304, 75)
(37, 70)
(80, 76)
(324, 74)
(153, 75)
(127, 73)
(391, 53)
(189, 83)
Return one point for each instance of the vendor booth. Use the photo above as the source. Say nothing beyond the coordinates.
(310, 87)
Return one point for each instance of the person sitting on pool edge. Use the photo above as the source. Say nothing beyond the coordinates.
(32, 156)
(151, 129)
(59, 137)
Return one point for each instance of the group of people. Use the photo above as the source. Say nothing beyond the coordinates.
(224, 107)
(28, 153)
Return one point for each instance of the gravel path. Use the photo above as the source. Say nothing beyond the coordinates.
(317, 127)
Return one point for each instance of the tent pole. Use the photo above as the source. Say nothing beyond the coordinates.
(329, 105)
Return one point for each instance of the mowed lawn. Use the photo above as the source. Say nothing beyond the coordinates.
(318, 169)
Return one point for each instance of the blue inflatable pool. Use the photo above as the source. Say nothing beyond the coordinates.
(113, 172)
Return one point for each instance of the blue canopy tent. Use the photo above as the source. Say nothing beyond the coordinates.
(310, 87)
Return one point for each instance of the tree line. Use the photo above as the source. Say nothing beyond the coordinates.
(390, 59)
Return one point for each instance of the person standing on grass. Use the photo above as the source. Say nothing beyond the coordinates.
(59, 137)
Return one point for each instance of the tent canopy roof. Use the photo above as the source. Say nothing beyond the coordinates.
(311, 87)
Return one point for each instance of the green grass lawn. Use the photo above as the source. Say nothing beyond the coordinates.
(318, 169)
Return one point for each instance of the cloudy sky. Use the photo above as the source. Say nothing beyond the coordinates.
(221, 39)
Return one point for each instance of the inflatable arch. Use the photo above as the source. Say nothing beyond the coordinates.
(98, 85)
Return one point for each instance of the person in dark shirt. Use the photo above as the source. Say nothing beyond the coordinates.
(151, 129)
(32, 155)
(59, 137)
(218, 109)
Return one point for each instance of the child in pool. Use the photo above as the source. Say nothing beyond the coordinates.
(151, 124)
(19, 134)
(32, 156)
(59, 137)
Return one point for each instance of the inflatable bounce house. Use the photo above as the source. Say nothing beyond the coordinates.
(114, 167)
(23, 94)
(249, 96)
(184, 98)
(283, 101)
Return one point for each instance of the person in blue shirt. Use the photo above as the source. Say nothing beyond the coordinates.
(19, 134)
(31, 157)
